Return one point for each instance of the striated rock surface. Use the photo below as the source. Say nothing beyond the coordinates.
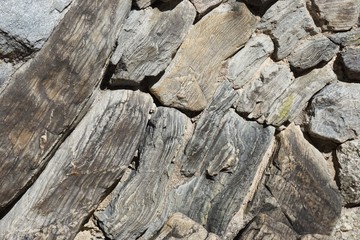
(351, 61)
(312, 51)
(244, 64)
(94, 157)
(6, 69)
(287, 22)
(337, 15)
(335, 112)
(140, 206)
(39, 107)
(345, 39)
(348, 155)
(25, 25)
(148, 41)
(195, 73)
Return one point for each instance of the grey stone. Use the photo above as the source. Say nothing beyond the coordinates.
(316, 237)
(348, 155)
(148, 41)
(351, 61)
(203, 6)
(335, 112)
(312, 51)
(287, 21)
(351, 38)
(193, 76)
(25, 25)
(244, 64)
(336, 15)
(348, 226)
(6, 69)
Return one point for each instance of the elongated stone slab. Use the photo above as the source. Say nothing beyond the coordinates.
(287, 21)
(195, 73)
(301, 184)
(90, 161)
(148, 41)
(335, 112)
(43, 102)
(142, 205)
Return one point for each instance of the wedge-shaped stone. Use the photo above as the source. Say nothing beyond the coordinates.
(312, 51)
(300, 183)
(243, 65)
(142, 203)
(345, 39)
(335, 112)
(44, 101)
(287, 21)
(90, 161)
(148, 41)
(337, 15)
(195, 73)
(351, 61)
(348, 155)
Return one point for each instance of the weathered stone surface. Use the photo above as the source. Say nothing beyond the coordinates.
(335, 112)
(348, 227)
(6, 69)
(25, 25)
(142, 204)
(148, 41)
(312, 51)
(348, 155)
(351, 61)
(351, 38)
(264, 227)
(287, 21)
(336, 15)
(316, 237)
(302, 186)
(90, 161)
(44, 101)
(243, 65)
(90, 231)
(195, 73)
(203, 6)
(180, 226)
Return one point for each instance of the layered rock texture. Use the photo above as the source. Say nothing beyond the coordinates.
(188, 119)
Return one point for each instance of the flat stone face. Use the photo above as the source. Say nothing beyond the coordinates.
(337, 15)
(90, 161)
(195, 73)
(312, 51)
(299, 172)
(27, 24)
(348, 155)
(148, 41)
(287, 21)
(335, 112)
(351, 61)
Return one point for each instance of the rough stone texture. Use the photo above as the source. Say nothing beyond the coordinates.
(316, 237)
(25, 25)
(203, 6)
(244, 64)
(335, 112)
(6, 69)
(90, 231)
(287, 21)
(351, 61)
(93, 158)
(336, 15)
(45, 100)
(301, 184)
(348, 227)
(195, 73)
(141, 204)
(348, 155)
(351, 38)
(312, 51)
(148, 41)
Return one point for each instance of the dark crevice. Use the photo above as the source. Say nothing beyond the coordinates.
(337, 169)
(257, 8)
(241, 232)
(301, 72)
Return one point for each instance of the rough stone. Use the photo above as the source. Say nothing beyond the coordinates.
(195, 73)
(312, 51)
(287, 22)
(348, 227)
(203, 6)
(336, 15)
(316, 237)
(6, 69)
(140, 207)
(25, 25)
(148, 41)
(89, 162)
(348, 155)
(302, 185)
(335, 112)
(244, 64)
(351, 61)
(351, 38)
